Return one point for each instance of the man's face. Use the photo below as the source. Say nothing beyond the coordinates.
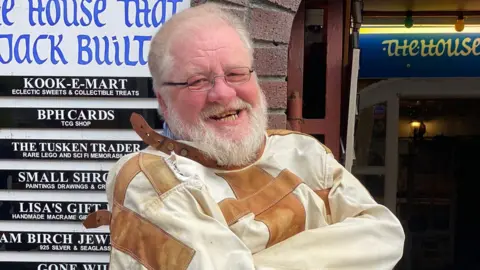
(227, 114)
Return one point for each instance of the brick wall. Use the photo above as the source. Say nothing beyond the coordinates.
(270, 23)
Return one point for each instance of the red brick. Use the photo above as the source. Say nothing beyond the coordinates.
(270, 25)
(277, 121)
(238, 2)
(276, 92)
(271, 61)
(290, 4)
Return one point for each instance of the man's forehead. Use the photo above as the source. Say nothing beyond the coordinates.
(207, 65)
(198, 51)
(208, 38)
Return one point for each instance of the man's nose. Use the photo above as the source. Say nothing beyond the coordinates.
(221, 92)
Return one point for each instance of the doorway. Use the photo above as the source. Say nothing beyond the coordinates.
(416, 148)
(437, 143)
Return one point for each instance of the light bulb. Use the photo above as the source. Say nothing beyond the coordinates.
(415, 124)
(460, 24)
(409, 20)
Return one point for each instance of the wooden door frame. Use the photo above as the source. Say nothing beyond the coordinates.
(337, 29)
(391, 91)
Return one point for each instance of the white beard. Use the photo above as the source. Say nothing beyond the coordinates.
(221, 147)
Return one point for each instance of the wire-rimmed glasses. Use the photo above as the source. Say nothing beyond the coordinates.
(200, 83)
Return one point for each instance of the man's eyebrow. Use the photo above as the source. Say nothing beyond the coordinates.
(230, 67)
(192, 69)
(196, 71)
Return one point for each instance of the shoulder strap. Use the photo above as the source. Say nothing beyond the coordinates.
(166, 145)
(97, 219)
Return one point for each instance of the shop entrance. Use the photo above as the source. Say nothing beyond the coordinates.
(417, 151)
(438, 142)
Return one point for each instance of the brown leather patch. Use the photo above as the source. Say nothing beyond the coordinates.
(281, 132)
(146, 243)
(124, 177)
(246, 182)
(323, 194)
(287, 217)
(233, 210)
(158, 173)
(97, 219)
(274, 205)
(150, 165)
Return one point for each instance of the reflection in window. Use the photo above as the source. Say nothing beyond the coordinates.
(370, 136)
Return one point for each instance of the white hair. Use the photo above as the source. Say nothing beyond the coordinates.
(160, 60)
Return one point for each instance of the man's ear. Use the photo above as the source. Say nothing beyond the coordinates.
(163, 105)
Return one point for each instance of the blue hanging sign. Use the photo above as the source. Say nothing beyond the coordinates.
(402, 55)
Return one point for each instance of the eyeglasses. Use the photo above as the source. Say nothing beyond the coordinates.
(200, 83)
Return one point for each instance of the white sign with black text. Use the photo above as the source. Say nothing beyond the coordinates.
(79, 37)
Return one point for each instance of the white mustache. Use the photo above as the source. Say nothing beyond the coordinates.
(216, 109)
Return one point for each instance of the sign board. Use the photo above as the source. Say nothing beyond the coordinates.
(52, 266)
(397, 55)
(67, 149)
(54, 86)
(54, 241)
(48, 210)
(85, 118)
(71, 73)
(80, 38)
(53, 180)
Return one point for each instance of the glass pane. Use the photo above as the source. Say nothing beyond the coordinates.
(315, 65)
(436, 148)
(370, 136)
(319, 137)
(375, 184)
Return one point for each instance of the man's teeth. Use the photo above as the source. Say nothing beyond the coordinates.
(229, 118)
(226, 113)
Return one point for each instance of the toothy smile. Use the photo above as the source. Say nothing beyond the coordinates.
(226, 116)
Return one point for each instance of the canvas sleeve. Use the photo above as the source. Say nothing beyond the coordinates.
(362, 234)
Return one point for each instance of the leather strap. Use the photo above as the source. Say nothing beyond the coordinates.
(143, 129)
(97, 219)
(166, 145)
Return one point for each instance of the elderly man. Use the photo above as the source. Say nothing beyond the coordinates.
(218, 190)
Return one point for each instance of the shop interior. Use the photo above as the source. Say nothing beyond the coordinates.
(416, 146)
(437, 178)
